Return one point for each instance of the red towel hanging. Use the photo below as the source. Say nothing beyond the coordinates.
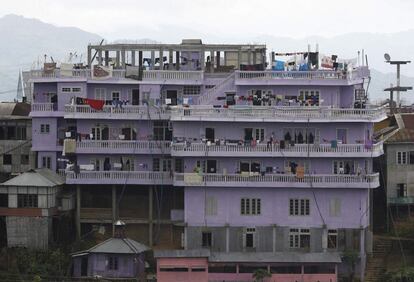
(95, 104)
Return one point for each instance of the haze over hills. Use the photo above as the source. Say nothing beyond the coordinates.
(26, 41)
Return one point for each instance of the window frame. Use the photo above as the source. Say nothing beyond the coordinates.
(113, 263)
(251, 206)
(299, 207)
(206, 239)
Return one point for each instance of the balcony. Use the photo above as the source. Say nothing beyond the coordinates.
(122, 147)
(118, 177)
(263, 150)
(315, 77)
(277, 114)
(149, 76)
(278, 180)
(111, 112)
(44, 110)
(401, 200)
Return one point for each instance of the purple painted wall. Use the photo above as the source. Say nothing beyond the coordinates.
(275, 207)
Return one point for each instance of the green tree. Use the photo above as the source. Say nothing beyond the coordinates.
(405, 274)
(260, 274)
(351, 257)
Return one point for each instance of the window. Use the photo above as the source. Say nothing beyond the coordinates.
(161, 164)
(7, 159)
(249, 237)
(209, 86)
(206, 239)
(332, 238)
(44, 128)
(401, 190)
(402, 158)
(46, 162)
(115, 95)
(309, 97)
(299, 238)
(335, 207)
(65, 89)
(155, 164)
(191, 90)
(411, 156)
(27, 201)
(299, 207)
(21, 133)
(11, 132)
(259, 134)
(162, 131)
(211, 206)
(100, 93)
(24, 159)
(250, 206)
(227, 268)
(179, 165)
(343, 167)
(76, 89)
(4, 200)
(112, 263)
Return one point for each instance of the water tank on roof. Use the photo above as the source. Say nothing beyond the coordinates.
(191, 42)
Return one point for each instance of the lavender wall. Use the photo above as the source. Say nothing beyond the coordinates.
(39, 90)
(275, 207)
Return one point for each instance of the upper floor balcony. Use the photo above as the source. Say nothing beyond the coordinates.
(148, 76)
(204, 149)
(118, 177)
(111, 112)
(123, 147)
(314, 77)
(278, 180)
(277, 114)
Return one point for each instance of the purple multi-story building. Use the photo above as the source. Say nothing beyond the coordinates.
(208, 146)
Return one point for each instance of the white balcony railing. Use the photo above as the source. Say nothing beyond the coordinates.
(314, 150)
(278, 180)
(119, 177)
(123, 146)
(270, 75)
(127, 111)
(42, 107)
(149, 75)
(262, 113)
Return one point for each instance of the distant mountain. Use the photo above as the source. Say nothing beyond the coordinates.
(379, 81)
(26, 41)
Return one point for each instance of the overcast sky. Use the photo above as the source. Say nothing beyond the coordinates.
(235, 19)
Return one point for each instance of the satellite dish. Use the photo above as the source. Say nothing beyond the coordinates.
(387, 57)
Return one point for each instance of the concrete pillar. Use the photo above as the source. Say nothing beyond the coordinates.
(100, 57)
(177, 60)
(150, 216)
(152, 59)
(239, 59)
(227, 238)
(249, 56)
(170, 59)
(133, 57)
(202, 59)
(114, 209)
(106, 58)
(218, 59)
(78, 207)
(185, 237)
(123, 58)
(211, 61)
(274, 238)
(140, 59)
(89, 55)
(117, 58)
(324, 239)
(225, 58)
(161, 59)
(362, 253)
(254, 56)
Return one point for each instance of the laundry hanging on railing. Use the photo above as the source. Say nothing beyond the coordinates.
(93, 103)
(69, 146)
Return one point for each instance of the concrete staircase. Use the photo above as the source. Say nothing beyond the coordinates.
(376, 264)
(211, 95)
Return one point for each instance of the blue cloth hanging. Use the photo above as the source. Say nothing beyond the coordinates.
(278, 66)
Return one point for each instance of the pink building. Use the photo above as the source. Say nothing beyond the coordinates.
(204, 266)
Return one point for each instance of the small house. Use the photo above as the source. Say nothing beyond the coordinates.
(117, 257)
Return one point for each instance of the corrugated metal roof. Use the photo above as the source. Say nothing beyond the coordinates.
(14, 109)
(36, 178)
(408, 120)
(285, 257)
(402, 135)
(196, 253)
(118, 246)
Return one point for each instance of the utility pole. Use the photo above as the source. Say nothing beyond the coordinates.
(398, 88)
